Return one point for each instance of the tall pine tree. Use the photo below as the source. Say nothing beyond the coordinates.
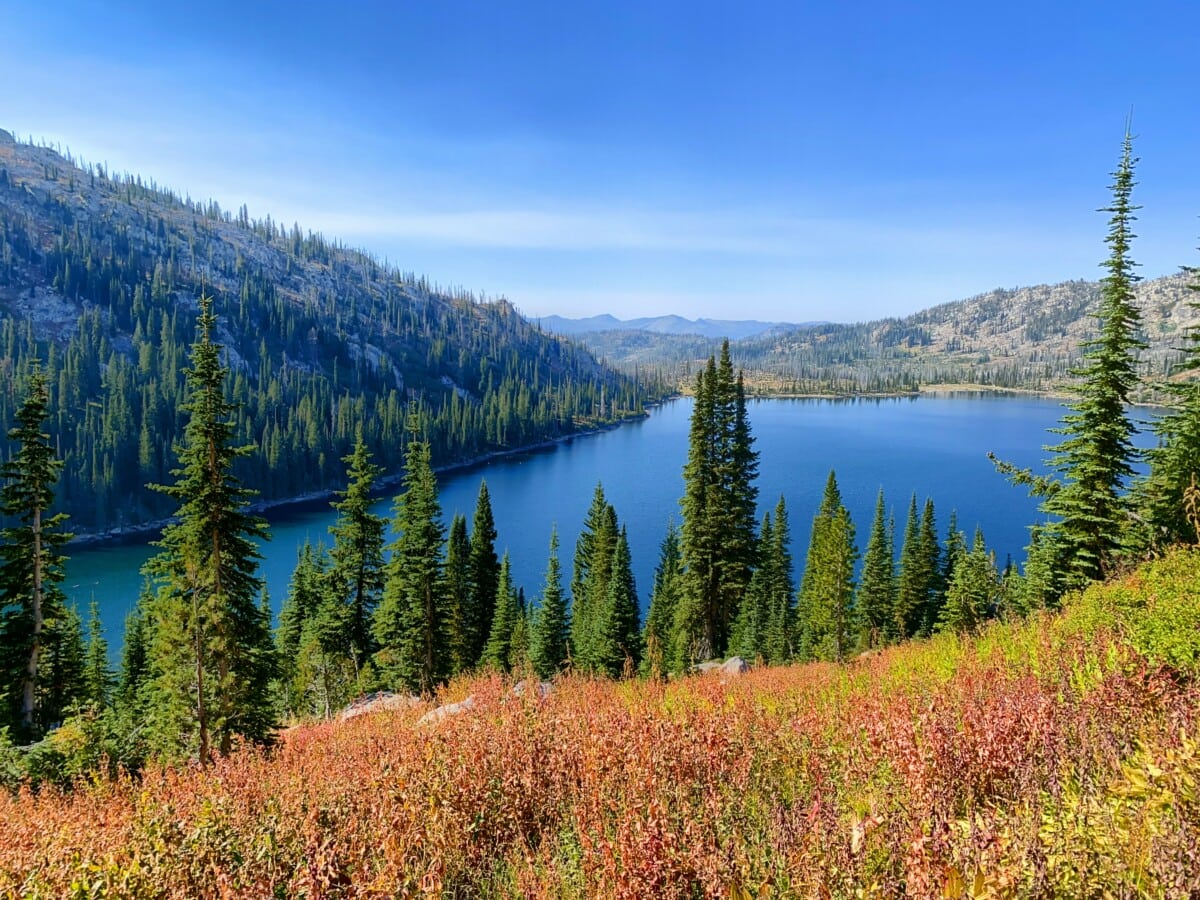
(1169, 496)
(211, 656)
(1085, 502)
(619, 639)
(664, 597)
(719, 510)
(356, 571)
(411, 622)
(484, 575)
(876, 599)
(32, 604)
(551, 630)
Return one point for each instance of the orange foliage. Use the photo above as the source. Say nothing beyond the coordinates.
(802, 781)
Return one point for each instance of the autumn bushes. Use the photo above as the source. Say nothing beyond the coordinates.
(1058, 756)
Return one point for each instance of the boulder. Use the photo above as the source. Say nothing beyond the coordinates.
(735, 665)
(450, 709)
(377, 702)
(541, 689)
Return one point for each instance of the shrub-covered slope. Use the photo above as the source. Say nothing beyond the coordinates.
(1058, 756)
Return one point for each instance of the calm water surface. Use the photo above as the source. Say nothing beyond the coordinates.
(934, 445)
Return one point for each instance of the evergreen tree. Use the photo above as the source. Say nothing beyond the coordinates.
(1088, 512)
(498, 650)
(664, 597)
(313, 640)
(62, 684)
(974, 588)
(620, 632)
(826, 597)
(548, 650)
(918, 565)
(485, 576)
(876, 599)
(590, 580)
(98, 681)
(1169, 496)
(211, 655)
(411, 622)
(457, 576)
(356, 573)
(31, 568)
(1043, 581)
(935, 589)
(749, 636)
(135, 656)
(718, 505)
(781, 589)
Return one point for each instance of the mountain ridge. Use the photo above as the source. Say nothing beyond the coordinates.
(1028, 338)
(99, 279)
(734, 329)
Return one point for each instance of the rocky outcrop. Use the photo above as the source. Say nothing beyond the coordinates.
(450, 709)
(378, 702)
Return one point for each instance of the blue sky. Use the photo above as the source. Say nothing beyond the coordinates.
(787, 161)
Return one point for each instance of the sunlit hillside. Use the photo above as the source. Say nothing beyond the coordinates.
(1056, 756)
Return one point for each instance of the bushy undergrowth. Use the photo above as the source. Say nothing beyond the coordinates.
(1058, 756)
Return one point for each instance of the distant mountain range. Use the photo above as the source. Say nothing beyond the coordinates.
(734, 329)
(1027, 338)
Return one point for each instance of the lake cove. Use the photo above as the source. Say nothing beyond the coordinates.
(934, 445)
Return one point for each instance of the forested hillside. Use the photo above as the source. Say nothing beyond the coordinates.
(1020, 338)
(99, 279)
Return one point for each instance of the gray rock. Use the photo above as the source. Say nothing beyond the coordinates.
(543, 688)
(735, 665)
(377, 702)
(450, 709)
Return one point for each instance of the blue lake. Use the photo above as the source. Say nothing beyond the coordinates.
(933, 445)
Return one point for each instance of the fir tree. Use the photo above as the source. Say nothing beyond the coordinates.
(548, 650)
(313, 630)
(457, 576)
(411, 622)
(718, 505)
(749, 636)
(356, 571)
(590, 579)
(497, 651)
(619, 639)
(1088, 512)
(62, 684)
(211, 655)
(485, 576)
(135, 656)
(974, 588)
(827, 587)
(1169, 496)
(781, 589)
(31, 568)
(876, 599)
(664, 597)
(918, 570)
(935, 589)
(98, 681)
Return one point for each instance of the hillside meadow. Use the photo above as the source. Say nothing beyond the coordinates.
(1058, 756)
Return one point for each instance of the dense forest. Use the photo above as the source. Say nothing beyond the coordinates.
(100, 277)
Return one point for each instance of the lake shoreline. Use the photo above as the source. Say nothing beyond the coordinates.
(126, 534)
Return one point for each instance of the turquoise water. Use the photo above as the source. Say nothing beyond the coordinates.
(934, 445)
